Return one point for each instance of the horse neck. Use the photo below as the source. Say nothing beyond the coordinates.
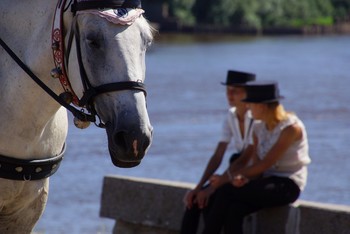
(33, 120)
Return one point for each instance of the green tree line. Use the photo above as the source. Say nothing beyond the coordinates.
(258, 14)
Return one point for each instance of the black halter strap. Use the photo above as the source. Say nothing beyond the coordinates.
(90, 91)
(119, 86)
(87, 5)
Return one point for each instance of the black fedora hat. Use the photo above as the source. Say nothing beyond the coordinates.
(237, 78)
(262, 92)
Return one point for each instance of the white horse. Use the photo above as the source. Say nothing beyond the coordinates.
(106, 69)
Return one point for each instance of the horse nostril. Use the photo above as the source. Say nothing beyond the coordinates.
(120, 140)
(132, 143)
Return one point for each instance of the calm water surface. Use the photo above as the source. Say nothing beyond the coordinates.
(187, 104)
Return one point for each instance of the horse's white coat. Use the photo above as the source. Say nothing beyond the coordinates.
(33, 124)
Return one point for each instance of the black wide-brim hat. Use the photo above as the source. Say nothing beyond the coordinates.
(238, 78)
(262, 92)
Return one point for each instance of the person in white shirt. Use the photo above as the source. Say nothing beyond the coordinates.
(276, 178)
(237, 128)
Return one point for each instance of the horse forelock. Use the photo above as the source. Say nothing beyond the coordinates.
(123, 16)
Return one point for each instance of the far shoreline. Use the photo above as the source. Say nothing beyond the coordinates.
(173, 27)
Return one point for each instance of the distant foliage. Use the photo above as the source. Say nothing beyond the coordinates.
(295, 13)
(215, 11)
(259, 14)
(182, 10)
(341, 10)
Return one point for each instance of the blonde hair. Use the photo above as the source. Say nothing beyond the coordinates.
(275, 114)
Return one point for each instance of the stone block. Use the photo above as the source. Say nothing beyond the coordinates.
(278, 220)
(148, 202)
(316, 218)
(149, 206)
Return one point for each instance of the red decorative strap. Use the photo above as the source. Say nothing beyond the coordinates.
(58, 49)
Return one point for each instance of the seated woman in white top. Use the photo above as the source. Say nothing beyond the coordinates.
(279, 174)
(236, 129)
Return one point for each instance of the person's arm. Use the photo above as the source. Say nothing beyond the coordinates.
(211, 167)
(247, 155)
(288, 136)
(213, 163)
(244, 159)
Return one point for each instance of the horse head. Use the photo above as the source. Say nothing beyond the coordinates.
(111, 55)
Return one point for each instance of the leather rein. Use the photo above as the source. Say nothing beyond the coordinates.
(36, 169)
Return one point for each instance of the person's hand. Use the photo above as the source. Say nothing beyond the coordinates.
(190, 198)
(239, 180)
(216, 180)
(203, 196)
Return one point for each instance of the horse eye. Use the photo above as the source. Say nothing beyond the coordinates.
(93, 43)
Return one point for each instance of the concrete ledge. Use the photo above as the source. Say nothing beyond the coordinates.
(149, 206)
(147, 202)
(328, 218)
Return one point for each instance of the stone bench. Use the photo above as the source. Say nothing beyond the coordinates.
(150, 206)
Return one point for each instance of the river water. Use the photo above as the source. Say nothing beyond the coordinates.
(187, 104)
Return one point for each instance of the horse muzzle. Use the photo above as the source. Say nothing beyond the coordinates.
(128, 145)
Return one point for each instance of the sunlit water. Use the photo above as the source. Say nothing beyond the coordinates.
(187, 104)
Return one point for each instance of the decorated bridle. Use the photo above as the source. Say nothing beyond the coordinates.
(36, 169)
(61, 59)
(81, 119)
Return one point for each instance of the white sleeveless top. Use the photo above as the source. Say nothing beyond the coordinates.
(293, 163)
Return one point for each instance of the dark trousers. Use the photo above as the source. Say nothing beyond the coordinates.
(190, 220)
(231, 204)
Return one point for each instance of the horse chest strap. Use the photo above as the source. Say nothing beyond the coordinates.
(37, 169)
